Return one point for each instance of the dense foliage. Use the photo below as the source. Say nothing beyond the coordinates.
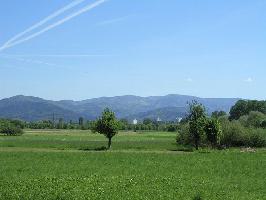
(244, 107)
(11, 127)
(248, 131)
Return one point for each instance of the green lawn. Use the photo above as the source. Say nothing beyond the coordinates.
(63, 165)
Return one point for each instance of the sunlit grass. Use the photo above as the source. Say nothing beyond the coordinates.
(54, 165)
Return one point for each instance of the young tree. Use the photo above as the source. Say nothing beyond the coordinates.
(213, 132)
(107, 125)
(197, 118)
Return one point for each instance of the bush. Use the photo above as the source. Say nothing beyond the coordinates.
(183, 136)
(234, 134)
(171, 128)
(257, 138)
(213, 132)
(10, 129)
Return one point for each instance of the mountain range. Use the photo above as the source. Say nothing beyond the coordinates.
(167, 108)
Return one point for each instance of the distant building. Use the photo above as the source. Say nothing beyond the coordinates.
(179, 119)
(135, 121)
(158, 119)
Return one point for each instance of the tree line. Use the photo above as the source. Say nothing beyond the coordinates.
(245, 125)
(81, 124)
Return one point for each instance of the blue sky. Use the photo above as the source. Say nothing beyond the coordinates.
(142, 47)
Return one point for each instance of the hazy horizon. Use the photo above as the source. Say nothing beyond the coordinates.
(123, 96)
(87, 49)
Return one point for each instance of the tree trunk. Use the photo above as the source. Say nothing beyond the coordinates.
(109, 143)
(197, 144)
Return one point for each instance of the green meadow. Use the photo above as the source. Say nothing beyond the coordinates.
(146, 165)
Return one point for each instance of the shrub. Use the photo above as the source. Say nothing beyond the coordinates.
(183, 136)
(255, 119)
(171, 128)
(257, 138)
(234, 134)
(9, 129)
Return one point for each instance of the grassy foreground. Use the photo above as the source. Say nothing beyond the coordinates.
(63, 165)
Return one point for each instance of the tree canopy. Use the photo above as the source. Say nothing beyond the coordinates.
(244, 107)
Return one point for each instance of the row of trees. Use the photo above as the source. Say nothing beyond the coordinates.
(124, 125)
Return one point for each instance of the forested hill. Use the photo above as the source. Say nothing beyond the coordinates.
(165, 107)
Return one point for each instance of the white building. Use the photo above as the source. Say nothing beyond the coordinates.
(179, 119)
(135, 121)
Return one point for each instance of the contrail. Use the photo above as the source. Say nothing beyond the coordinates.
(29, 61)
(59, 55)
(50, 17)
(60, 22)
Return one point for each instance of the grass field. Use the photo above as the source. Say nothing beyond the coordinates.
(64, 165)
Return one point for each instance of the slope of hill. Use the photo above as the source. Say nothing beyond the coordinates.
(33, 109)
(166, 107)
(165, 114)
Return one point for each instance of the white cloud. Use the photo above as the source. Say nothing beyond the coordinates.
(249, 80)
(189, 79)
(112, 21)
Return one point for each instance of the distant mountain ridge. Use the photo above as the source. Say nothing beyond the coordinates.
(167, 107)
